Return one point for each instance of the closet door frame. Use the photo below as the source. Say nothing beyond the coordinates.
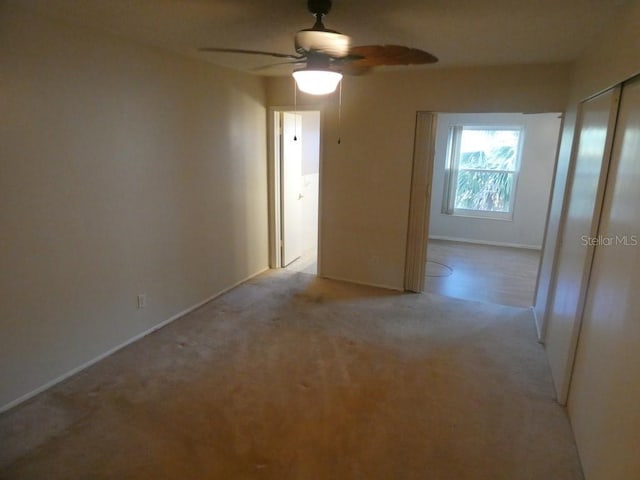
(604, 392)
(562, 327)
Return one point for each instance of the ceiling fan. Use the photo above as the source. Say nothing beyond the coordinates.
(323, 55)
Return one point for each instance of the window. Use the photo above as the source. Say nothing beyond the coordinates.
(481, 171)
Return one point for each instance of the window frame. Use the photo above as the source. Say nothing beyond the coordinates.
(452, 169)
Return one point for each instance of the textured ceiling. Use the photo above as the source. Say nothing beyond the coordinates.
(459, 32)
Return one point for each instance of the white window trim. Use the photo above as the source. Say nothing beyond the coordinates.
(451, 174)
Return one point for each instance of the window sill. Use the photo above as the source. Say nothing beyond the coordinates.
(503, 216)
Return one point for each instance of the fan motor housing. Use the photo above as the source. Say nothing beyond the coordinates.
(330, 43)
(319, 7)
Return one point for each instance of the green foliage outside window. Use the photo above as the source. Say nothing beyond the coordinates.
(486, 170)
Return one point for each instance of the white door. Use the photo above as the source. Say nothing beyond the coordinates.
(604, 401)
(575, 252)
(291, 188)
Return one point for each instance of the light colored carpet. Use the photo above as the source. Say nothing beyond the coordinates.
(291, 377)
(307, 263)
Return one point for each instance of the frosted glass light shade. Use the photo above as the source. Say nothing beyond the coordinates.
(317, 82)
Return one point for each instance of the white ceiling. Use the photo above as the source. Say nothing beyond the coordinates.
(458, 32)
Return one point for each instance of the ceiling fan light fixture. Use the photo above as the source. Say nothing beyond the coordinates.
(317, 82)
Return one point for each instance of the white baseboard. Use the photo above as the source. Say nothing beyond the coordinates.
(483, 242)
(535, 322)
(129, 341)
(340, 279)
(538, 330)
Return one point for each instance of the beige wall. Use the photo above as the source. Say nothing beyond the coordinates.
(123, 170)
(310, 180)
(366, 179)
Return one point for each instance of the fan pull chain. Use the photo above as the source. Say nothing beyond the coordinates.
(295, 111)
(339, 112)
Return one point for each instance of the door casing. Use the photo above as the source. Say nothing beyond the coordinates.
(420, 201)
(274, 175)
(584, 195)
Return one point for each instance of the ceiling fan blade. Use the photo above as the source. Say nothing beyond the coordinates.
(272, 65)
(378, 55)
(354, 70)
(252, 52)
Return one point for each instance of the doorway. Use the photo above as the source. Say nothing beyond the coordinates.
(488, 180)
(294, 181)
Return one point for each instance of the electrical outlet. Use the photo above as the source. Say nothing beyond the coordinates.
(142, 300)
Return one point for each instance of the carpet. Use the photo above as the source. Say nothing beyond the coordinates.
(293, 377)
